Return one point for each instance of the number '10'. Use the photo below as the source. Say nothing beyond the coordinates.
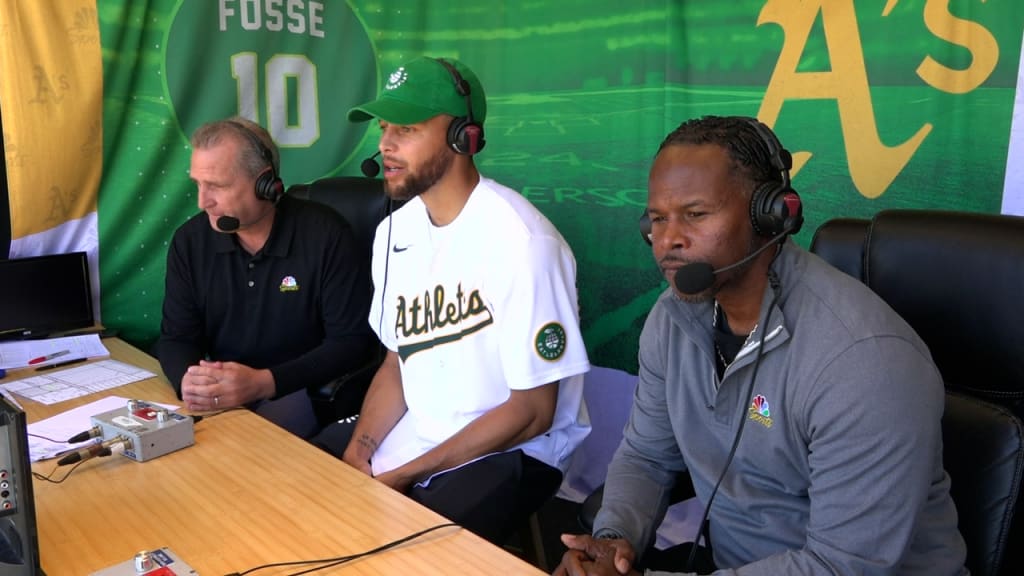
(279, 69)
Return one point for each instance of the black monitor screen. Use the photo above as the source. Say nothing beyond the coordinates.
(44, 295)
(19, 541)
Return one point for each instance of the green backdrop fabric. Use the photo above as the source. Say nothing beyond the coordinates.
(895, 104)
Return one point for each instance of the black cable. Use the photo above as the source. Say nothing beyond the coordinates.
(387, 260)
(381, 548)
(47, 439)
(49, 477)
(331, 562)
(93, 432)
(196, 418)
(773, 280)
(104, 450)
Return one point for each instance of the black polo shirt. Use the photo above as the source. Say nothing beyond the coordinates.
(298, 306)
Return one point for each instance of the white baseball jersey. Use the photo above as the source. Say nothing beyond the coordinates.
(475, 309)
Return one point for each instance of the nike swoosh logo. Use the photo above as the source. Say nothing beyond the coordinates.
(397, 249)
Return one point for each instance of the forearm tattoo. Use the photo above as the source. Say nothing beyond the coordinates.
(368, 442)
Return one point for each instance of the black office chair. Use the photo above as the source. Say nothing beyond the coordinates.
(956, 277)
(983, 449)
(840, 242)
(363, 203)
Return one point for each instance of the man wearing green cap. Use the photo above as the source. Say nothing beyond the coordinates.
(478, 405)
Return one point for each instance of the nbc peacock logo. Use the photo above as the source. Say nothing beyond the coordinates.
(289, 284)
(760, 412)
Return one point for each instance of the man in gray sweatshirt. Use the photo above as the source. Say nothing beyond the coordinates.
(805, 410)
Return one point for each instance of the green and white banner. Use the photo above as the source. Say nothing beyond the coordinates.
(884, 103)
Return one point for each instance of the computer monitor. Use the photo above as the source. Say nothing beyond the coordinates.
(19, 541)
(41, 296)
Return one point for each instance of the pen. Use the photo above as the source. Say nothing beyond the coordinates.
(60, 364)
(48, 357)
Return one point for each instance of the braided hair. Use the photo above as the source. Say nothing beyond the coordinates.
(747, 150)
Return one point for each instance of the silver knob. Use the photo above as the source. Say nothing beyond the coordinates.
(144, 562)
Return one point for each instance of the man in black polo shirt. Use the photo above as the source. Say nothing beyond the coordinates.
(265, 293)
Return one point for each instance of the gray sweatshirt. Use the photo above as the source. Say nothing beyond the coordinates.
(839, 466)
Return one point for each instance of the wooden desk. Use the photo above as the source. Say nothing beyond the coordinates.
(246, 494)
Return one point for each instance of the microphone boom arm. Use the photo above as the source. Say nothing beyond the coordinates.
(697, 277)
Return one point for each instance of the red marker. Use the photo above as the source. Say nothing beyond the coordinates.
(48, 357)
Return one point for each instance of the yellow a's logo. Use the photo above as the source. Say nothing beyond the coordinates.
(873, 165)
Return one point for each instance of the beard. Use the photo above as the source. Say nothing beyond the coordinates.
(418, 182)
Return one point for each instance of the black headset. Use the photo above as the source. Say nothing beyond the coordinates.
(774, 206)
(269, 186)
(465, 135)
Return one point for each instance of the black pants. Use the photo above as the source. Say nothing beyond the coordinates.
(490, 497)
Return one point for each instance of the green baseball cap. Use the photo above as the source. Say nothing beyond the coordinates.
(421, 89)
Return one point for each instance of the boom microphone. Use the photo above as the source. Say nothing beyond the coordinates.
(228, 224)
(697, 277)
(370, 167)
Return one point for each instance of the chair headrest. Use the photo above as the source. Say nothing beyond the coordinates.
(361, 201)
(958, 279)
(840, 242)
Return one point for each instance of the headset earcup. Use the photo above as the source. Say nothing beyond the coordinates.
(763, 222)
(455, 134)
(473, 136)
(775, 209)
(645, 227)
(269, 187)
(465, 137)
(793, 208)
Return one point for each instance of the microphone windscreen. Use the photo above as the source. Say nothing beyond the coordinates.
(370, 167)
(695, 278)
(228, 223)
